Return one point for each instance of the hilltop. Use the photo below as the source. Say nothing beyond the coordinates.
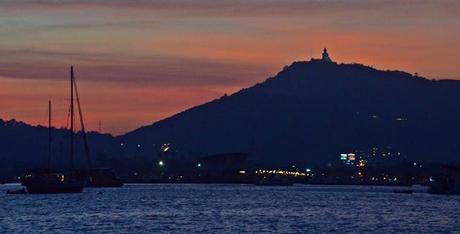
(311, 111)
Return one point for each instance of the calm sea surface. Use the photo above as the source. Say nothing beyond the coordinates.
(229, 209)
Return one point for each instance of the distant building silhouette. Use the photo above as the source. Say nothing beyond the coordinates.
(326, 56)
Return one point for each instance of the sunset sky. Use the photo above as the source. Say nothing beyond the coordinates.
(139, 61)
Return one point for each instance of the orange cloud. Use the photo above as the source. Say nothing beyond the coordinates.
(141, 61)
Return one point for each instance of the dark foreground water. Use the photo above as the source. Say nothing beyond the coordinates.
(229, 209)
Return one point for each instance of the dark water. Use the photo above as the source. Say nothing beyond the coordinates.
(230, 209)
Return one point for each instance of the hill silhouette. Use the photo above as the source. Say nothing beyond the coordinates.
(307, 114)
(23, 146)
(312, 111)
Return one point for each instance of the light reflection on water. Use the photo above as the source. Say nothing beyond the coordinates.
(229, 208)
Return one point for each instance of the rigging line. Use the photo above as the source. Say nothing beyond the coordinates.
(72, 118)
(83, 132)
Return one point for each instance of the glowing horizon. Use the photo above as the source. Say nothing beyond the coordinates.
(141, 61)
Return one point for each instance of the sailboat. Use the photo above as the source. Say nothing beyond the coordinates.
(51, 180)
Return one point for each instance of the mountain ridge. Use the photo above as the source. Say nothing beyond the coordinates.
(308, 113)
(287, 67)
(315, 86)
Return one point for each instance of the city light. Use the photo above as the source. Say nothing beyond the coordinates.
(361, 163)
(281, 172)
(165, 148)
(351, 156)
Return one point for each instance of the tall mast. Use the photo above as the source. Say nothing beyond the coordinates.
(49, 134)
(71, 119)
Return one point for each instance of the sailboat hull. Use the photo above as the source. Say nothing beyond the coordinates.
(52, 181)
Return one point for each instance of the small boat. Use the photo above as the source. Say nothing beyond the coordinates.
(447, 183)
(50, 180)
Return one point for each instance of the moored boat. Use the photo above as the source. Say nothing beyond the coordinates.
(50, 180)
(45, 180)
(448, 182)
